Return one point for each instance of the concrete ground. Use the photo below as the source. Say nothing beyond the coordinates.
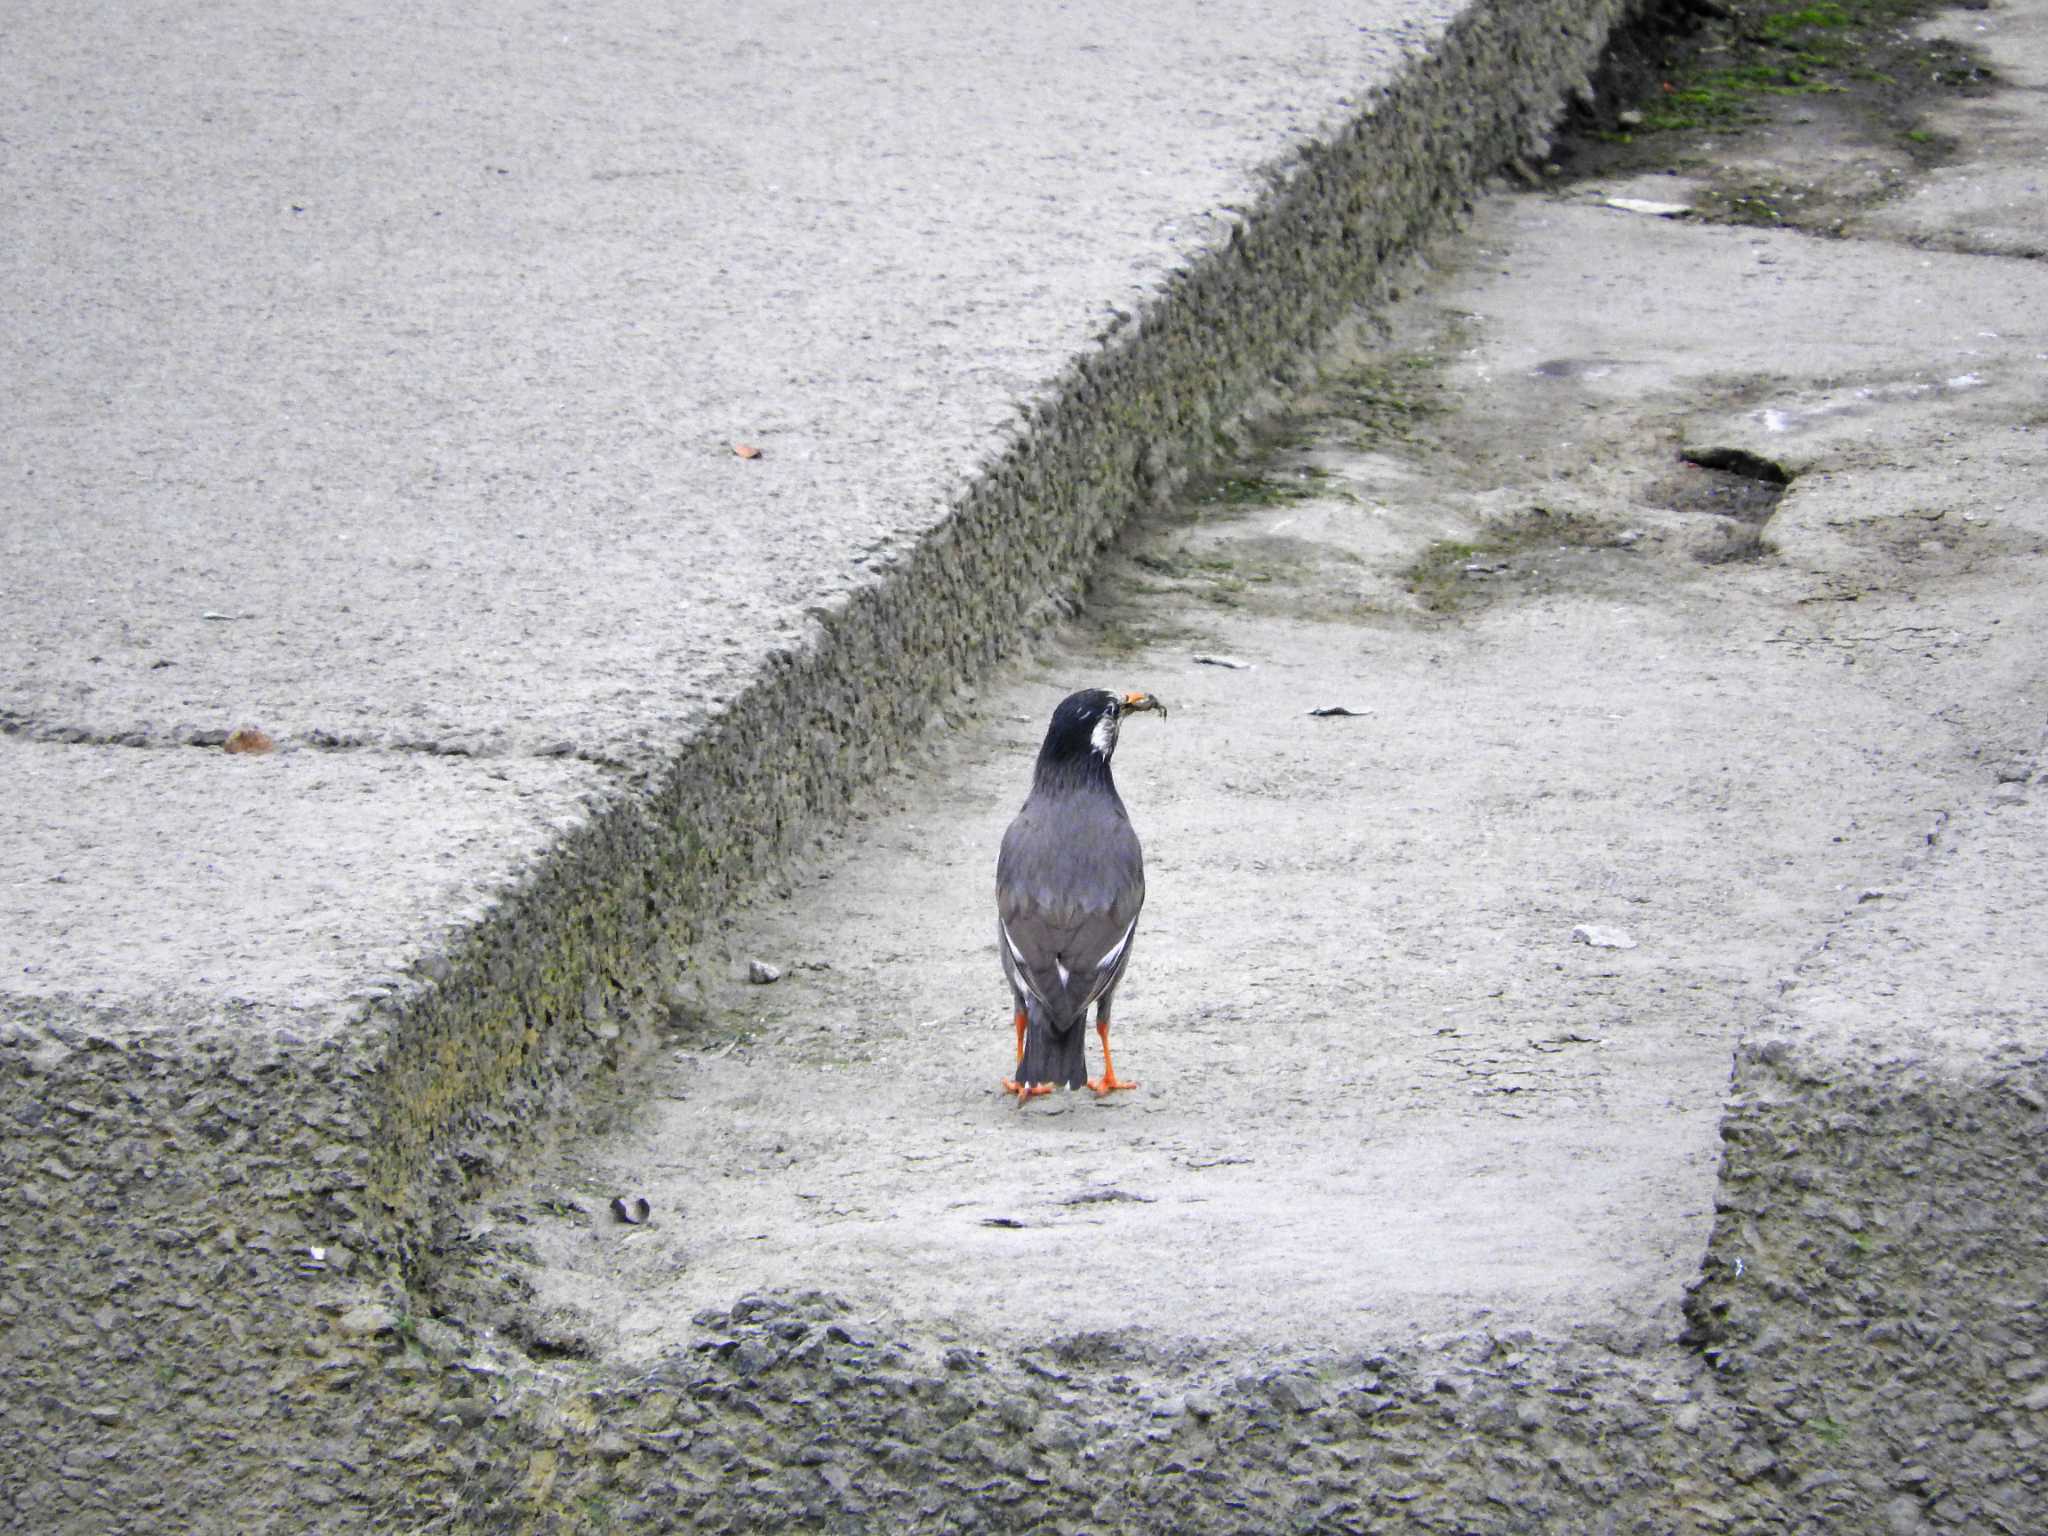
(1421, 1191)
(571, 453)
(1778, 741)
(379, 390)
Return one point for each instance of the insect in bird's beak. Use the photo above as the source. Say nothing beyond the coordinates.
(1138, 703)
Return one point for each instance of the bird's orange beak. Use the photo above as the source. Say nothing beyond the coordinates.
(1138, 703)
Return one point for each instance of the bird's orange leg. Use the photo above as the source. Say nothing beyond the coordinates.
(1109, 1082)
(1010, 1085)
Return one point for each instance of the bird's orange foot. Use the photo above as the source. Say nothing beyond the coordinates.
(1025, 1091)
(1109, 1083)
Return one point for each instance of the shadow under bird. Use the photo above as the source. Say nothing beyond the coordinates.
(1070, 882)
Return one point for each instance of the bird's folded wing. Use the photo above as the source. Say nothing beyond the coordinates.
(1068, 959)
(1070, 881)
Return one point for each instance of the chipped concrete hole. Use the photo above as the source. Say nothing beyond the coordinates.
(1737, 489)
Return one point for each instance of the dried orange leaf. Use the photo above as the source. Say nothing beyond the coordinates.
(249, 739)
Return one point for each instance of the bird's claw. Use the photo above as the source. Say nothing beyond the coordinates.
(1106, 1085)
(1025, 1091)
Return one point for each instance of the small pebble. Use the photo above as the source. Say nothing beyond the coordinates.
(1602, 938)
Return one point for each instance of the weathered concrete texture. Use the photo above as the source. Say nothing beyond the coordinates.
(788, 1414)
(133, 892)
(1992, 198)
(1864, 1346)
(1124, 426)
(1872, 1295)
(183, 1216)
(1874, 1290)
(211, 1207)
(197, 1003)
(413, 348)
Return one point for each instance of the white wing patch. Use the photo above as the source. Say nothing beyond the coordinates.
(1109, 960)
(1104, 968)
(1023, 970)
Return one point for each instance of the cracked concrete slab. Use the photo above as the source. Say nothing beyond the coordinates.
(1359, 938)
(130, 890)
(1800, 773)
(379, 383)
(242, 1285)
(417, 359)
(1994, 198)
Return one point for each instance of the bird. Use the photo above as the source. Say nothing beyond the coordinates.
(1070, 882)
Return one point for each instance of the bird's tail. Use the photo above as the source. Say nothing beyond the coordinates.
(1053, 1056)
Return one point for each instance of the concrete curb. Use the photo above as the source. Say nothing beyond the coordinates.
(532, 1001)
(1873, 1283)
(206, 1229)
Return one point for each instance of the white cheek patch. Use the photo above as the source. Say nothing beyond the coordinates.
(1103, 737)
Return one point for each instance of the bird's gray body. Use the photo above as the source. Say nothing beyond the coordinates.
(1070, 882)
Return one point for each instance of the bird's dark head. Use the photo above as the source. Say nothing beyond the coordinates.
(1082, 736)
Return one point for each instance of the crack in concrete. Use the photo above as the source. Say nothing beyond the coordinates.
(215, 738)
